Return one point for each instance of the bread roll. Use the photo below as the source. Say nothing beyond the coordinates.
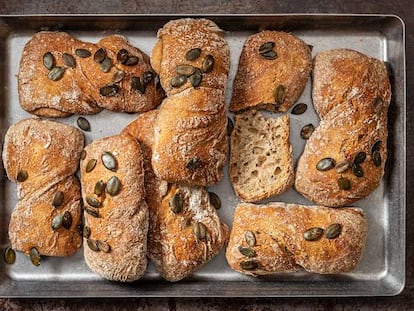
(273, 70)
(344, 159)
(60, 75)
(116, 215)
(42, 156)
(261, 163)
(192, 60)
(173, 245)
(273, 238)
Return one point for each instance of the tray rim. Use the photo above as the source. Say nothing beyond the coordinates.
(188, 284)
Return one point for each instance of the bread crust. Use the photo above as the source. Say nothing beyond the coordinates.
(257, 78)
(256, 135)
(123, 218)
(78, 91)
(49, 152)
(172, 245)
(346, 91)
(280, 246)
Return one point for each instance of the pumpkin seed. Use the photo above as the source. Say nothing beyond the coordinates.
(99, 188)
(69, 60)
(214, 200)
(178, 81)
(200, 230)
(376, 158)
(193, 164)
(176, 202)
(109, 161)
(67, 220)
(313, 234)
(186, 70)
(56, 73)
(131, 61)
(266, 47)
(357, 170)
(57, 222)
(247, 251)
(342, 166)
(83, 124)
(377, 104)
(106, 65)
(58, 199)
(360, 157)
(250, 238)
(307, 131)
(99, 55)
(22, 176)
(86, 232)
(122, 55)
(113, 186)
(82, 53)
(299, 109)
(109, 90)
(9, 255)
(94, 202)
(344, 183)
(83, 154)
(333, 231)
(137, 85)
(35, 256)
(103, 246)
(193, 54)
(90, 165)
(376, 146)
(48, 60)
(196, 78)
(230, 126)
(147, 77)
(269, 55)
(92, 211)
(249, 265)
(208, 64)
(93, 246)
(279, 94)
(325, 164)
(118, 76)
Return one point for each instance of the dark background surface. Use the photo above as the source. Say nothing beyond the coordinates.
(402, 8)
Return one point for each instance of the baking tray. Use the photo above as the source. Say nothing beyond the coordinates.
(382, 269)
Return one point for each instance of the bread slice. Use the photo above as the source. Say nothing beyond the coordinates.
(268, 239)
(261, 162)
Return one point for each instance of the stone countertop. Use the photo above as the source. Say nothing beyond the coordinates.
(403, 8)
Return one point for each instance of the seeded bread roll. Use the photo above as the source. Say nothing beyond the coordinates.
(60, 75)
(116, 215)
(42, 156)
(190, 131)
(261, 162)
(273, 238)
(273, 70)
(173, 244)
(344, 159)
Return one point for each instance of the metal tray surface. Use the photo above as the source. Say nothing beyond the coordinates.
(382, 269)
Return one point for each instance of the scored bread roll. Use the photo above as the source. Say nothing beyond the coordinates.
(176, 213)
(261, 163)
(344, 159)
(116, 215)
(273, 70)
(60, 75)
(280, 237)
(192, 60)
(41, 156)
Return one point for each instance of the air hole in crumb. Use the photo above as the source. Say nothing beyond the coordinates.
(277, 171)
(255, 173)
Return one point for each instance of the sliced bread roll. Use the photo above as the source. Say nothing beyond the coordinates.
(261, 156)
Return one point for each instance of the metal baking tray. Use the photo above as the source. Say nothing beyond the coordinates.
(382, 269)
